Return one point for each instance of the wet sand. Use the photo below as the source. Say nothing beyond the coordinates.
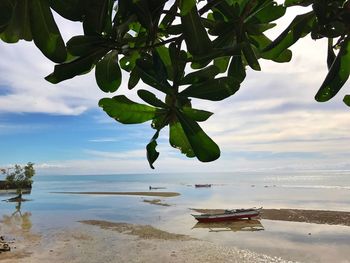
(299, 215)
(142, 231)
(155, 202)
(103, 241)
(162, 194)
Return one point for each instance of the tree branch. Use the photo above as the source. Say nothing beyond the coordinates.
(208, 6)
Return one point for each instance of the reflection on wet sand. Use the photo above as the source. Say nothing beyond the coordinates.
(17, 229)
(237, 225)
(18, 221)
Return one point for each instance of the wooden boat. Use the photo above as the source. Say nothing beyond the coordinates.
(228, 215)
(202, 185)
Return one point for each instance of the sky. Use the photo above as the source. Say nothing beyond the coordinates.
(272, 123)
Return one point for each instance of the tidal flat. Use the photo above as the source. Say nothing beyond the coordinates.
(305, 219)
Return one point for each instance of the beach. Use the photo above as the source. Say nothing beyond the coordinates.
(121, 219)
(106, 241)
(103, 241)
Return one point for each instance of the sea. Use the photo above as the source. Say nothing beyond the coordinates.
(47, 210)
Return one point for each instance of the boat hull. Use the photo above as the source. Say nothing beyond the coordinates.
(208, 218)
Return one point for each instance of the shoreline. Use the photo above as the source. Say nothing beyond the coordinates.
(104, 241)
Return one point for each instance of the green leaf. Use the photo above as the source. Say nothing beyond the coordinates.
(164, 55)
(200, 75)
(108, 74)
(160, 67)
(186, 6)
(78, 66)
(152, 154)
(178, 139)
(160, 120)
(299, 27)
(69, 9)
(298, 2)
(226, 11)
(285, 56)
(128, 62)
(205, 149)
(196, 37)
(257, 29)
(222, 63)
(216, 53)
(96, 15)
(151, 77)
(196, 115)
(151, 99)
(174, 30)
(262, 41)
(134, 78)
(126, 111)
(148, 12)
(215, 89)
(46, 34)
(237, 69)
(330, 54)
(178, 60)
(347, 100)
(6, 9)
(169, 17)
(84, 45)
(268, 11)
(18, 27)
(338, 74)
(125, 8)
(251, 57)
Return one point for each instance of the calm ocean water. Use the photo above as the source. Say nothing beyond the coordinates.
(49, 211)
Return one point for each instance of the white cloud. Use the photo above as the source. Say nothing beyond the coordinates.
(136, 154)
(23, 68)
(273, 113)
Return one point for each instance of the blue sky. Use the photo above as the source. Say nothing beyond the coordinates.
(272, 123)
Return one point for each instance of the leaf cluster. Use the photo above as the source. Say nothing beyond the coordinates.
(156, 40)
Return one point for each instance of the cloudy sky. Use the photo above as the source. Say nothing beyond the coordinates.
(272, 123)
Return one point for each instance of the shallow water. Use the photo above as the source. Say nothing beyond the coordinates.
(292, 241)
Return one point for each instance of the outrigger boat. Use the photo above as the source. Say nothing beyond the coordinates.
(228, 215)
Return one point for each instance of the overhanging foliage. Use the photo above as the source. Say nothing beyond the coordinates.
(154, 40)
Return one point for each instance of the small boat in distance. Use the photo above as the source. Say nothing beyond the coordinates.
(156, 188)
(229, 215)
(202, 185)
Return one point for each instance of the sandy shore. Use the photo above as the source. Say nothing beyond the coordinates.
(155, 202)
(102, 241)
(162, 194)
(308, 216)
(299, 215)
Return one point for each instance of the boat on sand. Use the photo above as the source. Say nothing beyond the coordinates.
(229, 215)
